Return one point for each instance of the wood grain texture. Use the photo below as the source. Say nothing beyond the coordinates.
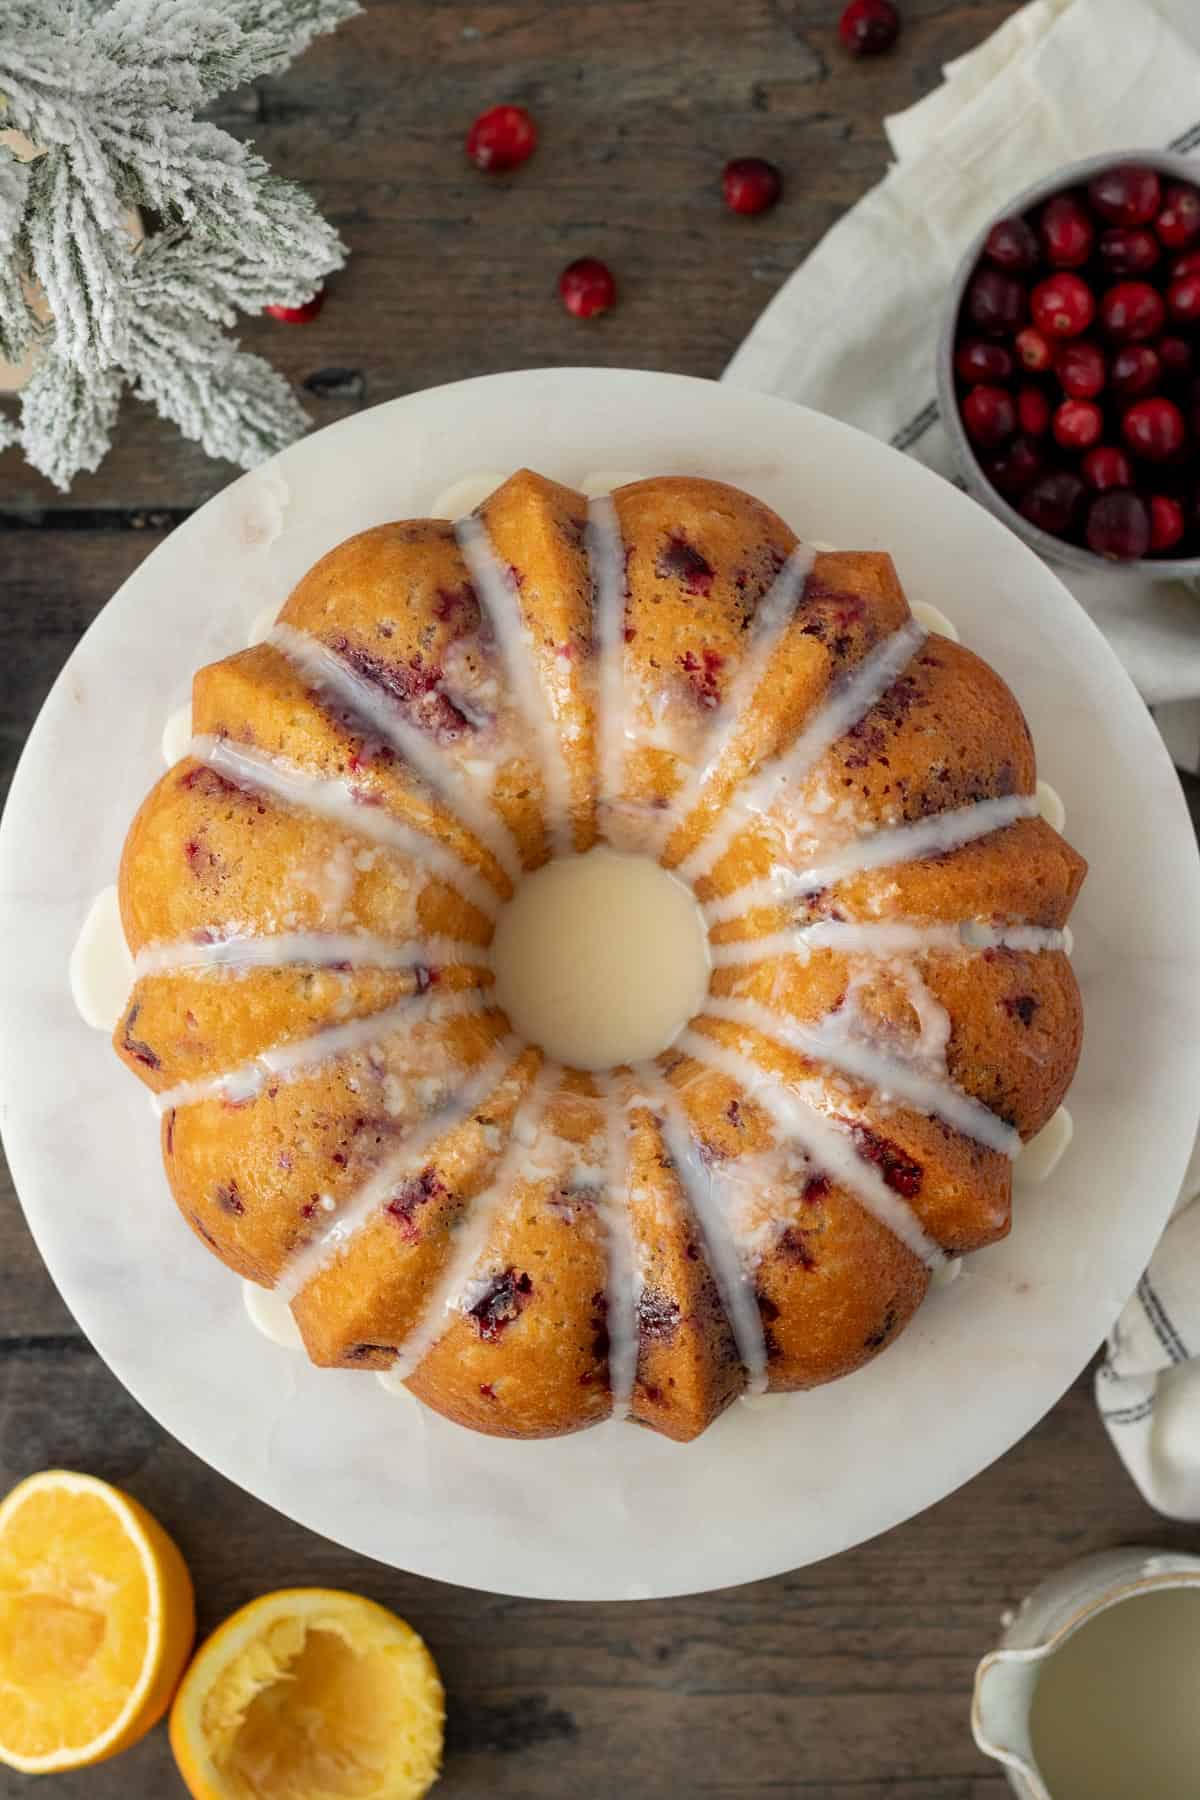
(848, 1681)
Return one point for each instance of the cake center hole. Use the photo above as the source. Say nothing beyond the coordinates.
(601, 959)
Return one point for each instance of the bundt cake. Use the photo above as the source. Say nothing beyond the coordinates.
(887, 1010)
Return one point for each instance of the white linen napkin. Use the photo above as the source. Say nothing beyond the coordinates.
(853, 332)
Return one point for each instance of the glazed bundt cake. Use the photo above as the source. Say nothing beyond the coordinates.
(311, 897)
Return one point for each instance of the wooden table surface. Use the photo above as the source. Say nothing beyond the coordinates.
(848, 1680)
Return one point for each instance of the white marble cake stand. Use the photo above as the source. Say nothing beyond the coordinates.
(617, 1512)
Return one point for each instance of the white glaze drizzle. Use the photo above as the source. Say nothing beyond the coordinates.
(848, 702)
(896, 938)
(772, 617)
(519, 656)
(935, 836)
(725, 1259)
(361, 1207)
(101, 969)
(624, 1285)
(314, 949)
(830, 1148)
(284, 1060)
(335, 801)
(890, 1076)
(606, 561)
(326, 671)
(472, 1234)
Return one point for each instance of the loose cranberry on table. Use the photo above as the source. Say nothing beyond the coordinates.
(1012, 246)
(1136, 369)
(976, 360)
(1118, 526)
(1154, 429)
(1078, 424)
(1127, 194)
(1133, 311)
(750, 184)
(1179, 221)
(1128, 250)
(989, 416)
(1167, 524)
(501, 138)
(1063, 306)
(1107, 467)
(303, 314)
(869, 26)
(1067, 232)
(587, 287)
(1081, 369)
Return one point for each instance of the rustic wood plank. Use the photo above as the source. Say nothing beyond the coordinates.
(453, 273)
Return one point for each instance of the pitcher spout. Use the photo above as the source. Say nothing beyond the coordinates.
(1004, 1684)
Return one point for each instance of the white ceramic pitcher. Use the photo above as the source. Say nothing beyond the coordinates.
(1005, 1680)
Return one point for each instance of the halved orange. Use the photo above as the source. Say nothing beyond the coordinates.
(310, 1694)
(96, 1621)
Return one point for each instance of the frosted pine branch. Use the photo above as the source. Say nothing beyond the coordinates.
(107, 90)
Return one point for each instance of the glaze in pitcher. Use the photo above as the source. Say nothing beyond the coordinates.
(1005, 1680)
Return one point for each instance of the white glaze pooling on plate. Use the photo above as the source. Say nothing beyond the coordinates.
(464, 495)
(272, 1316)
(177, 735)
(101, 968)
(603, 481)
(1051, 807)
(262, 624)
(934, 620)
(1042, 1154)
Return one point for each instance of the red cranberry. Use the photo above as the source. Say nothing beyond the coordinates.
(995, 303)
(1125, 195)
(869, 26)
(1012, 246)
(1154, 429)
(750, 185)
(1118, 526)
(989, 416)
(1078, 424)
(1016, 467)
(1052, 503)
(1183, 299)
(1067, 232)
(1063, 306)
(1133, 311)
(1188, 264)
(587, 287)
(1033, 411)
(298, 315)
(1179, 221)
(1081, 369)
(1034, 349)
(1167, 524)
(1135, 370)
(1176, 355)
(1129, 250)
(1107, 467)
(977, 361)
(501, 138)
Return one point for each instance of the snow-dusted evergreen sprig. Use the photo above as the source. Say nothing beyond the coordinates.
(106, 91)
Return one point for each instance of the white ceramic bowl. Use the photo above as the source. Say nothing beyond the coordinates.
(616, 1512)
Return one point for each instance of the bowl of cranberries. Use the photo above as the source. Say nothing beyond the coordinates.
(1069, 368)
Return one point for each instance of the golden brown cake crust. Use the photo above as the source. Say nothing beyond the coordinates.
(312, 891)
